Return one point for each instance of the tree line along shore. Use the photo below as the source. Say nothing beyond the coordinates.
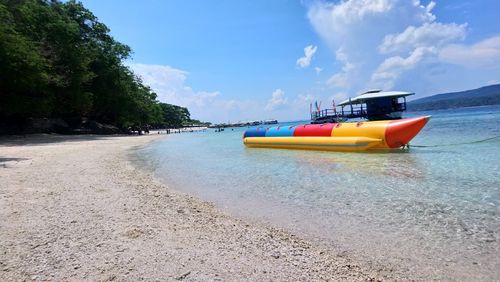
(61, 71)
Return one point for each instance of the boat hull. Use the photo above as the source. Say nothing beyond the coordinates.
(313, 143)
(351, 136)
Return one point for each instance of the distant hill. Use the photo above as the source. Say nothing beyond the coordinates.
(487, 95)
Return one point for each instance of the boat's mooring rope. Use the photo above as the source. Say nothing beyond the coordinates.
(456, 144)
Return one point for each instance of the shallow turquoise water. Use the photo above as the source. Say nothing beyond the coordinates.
(430, 209)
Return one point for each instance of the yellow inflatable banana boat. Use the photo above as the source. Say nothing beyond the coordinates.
(348, 136)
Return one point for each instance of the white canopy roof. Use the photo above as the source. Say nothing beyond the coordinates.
(373, 94)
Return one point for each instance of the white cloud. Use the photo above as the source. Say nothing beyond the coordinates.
(300, 105)
(277, 100)
(381, 43)
(330, 19)
(318, 70)
(164, 77)
(429, 34)
(170, 85)
(484, 54)
(354, 29)
(348, 22)
(393, 67)
(304, 99)
(309, 52)
(341, 79)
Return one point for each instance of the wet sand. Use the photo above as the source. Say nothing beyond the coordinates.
(76, 208)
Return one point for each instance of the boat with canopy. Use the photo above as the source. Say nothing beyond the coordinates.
(379, 125)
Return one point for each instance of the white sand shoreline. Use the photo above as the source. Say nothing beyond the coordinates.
(75, 208)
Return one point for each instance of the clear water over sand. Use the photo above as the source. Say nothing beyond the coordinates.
(432, 210)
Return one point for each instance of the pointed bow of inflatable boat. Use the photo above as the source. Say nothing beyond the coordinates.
(401, 132)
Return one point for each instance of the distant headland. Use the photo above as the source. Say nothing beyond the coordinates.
(487, 95)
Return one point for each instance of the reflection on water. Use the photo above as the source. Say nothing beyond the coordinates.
(434, 209)
(376, 163)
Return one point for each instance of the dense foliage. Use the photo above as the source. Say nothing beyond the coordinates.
(488, 95)
(58, 61)
(174, 115)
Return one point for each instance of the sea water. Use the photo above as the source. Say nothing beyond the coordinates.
(432, 211)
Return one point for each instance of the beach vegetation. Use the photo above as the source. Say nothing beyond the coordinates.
(58, 61)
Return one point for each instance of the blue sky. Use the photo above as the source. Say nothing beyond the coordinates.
(244, 60)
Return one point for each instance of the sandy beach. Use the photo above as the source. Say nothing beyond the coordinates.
(76, 208)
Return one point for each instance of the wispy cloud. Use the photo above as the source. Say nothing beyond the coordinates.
(379, 42)
(341, 79)
(392, 68)
(170, 85)
(482, 54)
(355, 21)
(429, 34)
(354, 29)
(277, 100)
(309, 52)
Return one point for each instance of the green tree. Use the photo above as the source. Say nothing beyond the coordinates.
(174, 116)
(59, 61)
(24, 76)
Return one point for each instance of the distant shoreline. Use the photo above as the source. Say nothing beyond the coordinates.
(483, 96)
(453, 108)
